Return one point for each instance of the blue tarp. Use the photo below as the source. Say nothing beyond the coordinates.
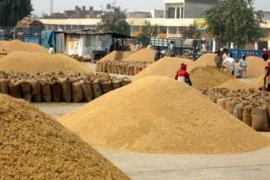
(48, 39)
(238, 53)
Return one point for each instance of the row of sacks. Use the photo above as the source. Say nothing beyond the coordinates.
(250, 106)
(121, 67)
(59, 87)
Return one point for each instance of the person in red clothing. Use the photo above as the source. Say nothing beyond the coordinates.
(265, 55)
(182, 75)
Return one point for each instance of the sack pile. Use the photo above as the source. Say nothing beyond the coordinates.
(121, 67)
(59, 87)
(251, 106)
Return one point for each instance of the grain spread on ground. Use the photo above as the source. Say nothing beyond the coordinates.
(235, 84)
(39, 62)
(117, 56)
(143, 55)
(258, 83)
(206, 60)
(166, 67)
(161, 115)
(35, 146)
(206, 77)
(255, 67)
(15, 45)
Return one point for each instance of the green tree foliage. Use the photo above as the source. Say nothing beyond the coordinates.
(115, 21)
(11, 11)
(234, 21)
(147, 32)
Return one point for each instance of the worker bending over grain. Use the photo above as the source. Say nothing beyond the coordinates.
(182, 75)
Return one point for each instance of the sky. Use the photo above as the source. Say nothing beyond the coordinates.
(43, 6)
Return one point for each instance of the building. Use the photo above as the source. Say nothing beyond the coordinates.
(179, 9)
(138, 14)
(157, 13)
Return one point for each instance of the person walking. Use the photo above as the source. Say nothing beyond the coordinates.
(219, 59)
(266, 83)
(265, 54)
(243, 64)
(229, 63)
(182, 75)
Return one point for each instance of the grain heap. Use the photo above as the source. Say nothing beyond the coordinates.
(40, 62)
(166, 67)
(258, 83)
(15, 45)
(235, 84)
(35, 146)
(255, 67)
(143, 55)
(161, 115)
(116, 56)
(248, 105)
(206, 60)
(206, 77)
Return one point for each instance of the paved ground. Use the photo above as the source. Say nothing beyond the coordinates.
(253, 165)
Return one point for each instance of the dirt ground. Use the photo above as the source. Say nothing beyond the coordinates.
(253, 165)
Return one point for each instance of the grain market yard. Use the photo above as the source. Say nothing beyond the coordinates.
(252, 165)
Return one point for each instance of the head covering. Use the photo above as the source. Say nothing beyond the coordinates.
(264, 49)
(183, 66)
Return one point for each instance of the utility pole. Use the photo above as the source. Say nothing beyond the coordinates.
(51, 7)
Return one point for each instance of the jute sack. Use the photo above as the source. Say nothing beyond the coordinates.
(36, 91)
(238, 111)
(98, 66)
(4, 86)
(77, 92)
(87, 91)
(26, 90)
(15, 89)
(96, 87)
(109, 67)
(116, 84)
(221, 102)
(46, 92)
(229, 106)
(106, 86)
(125, 82)
(260, 118)
(56, 92)
(66, 89)
(247, 118)
(124, 68)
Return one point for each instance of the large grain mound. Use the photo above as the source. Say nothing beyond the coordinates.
(255, 67)
(34, 146)
(40, 62)
(143, 55)
(206, 60)
(161, 115)
(166, 67)
(207, 77)
(234, 84)
(117, 56)
(15, 45)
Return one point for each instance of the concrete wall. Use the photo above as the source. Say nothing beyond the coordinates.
(195, 8)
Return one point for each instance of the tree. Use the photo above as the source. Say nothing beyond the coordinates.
(114, 21)
(11, 11)
(234, 21)
(147, 32)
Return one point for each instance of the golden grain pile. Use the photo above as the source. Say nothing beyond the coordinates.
(15, 45)
(166, 67)
(117, 56)
(255, 67)
(206, 60)
(35, 146)
(27, 62)
(161, 115)
(235, 84)
(143, 55)
(206, 77)
(258, 83)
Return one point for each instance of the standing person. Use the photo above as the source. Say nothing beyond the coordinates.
(265, 54)
(266, 83)
(229, 63)
(172, 47)
(182, 75)
(243, 65)
(219, 59)
(51, 50)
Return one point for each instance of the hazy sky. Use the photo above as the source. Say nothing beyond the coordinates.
(142, 5)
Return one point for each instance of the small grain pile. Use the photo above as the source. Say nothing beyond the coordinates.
(234, 84)
(206, 60)
(161, 115)
(258, 83)
(255, 67)
(166, 67)
(40, 62)
(117, 56)
(35, 146)
(143, 55)
(15, 45)
(206, 77)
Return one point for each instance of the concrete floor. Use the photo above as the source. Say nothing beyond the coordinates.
(253, 165)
